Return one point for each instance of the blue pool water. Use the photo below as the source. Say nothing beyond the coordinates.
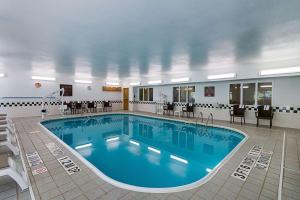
(146, 152)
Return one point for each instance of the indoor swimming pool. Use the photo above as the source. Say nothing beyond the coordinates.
(147, 154)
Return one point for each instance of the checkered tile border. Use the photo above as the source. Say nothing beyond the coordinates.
(38, 103)
(280, 109)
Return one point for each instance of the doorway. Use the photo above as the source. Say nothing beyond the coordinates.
(125, 98)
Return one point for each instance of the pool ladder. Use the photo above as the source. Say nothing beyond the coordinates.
(210, 117)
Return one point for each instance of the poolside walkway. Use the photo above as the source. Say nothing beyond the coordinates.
(57, 184)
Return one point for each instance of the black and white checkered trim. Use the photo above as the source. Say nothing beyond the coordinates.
(280, 109)
(39, 103)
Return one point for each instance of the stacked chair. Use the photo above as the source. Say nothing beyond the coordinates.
(10, 160)
(75, 107)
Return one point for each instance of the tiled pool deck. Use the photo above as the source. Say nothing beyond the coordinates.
(56, 184)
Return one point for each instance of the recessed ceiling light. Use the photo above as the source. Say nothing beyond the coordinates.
(134, 83)
(83, 81)
(221, 76)
(43, 78)
(2, 75)
(288, 70)
(112, 83)
(155, 82)
(177, 80)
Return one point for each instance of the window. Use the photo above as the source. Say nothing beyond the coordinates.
(146, 94)
(141, 94)
(249, 93)
(150, 94)
(191, 94)
(176, 94)
(264, 93)
(235, 94)
(184, 94)
(246, 93)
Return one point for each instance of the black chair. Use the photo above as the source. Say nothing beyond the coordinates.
(237, 111)
(169, 107)
(72, 107)
(264, 112)
(91, 106)
(107, 106)
(78, 107)
(189, 108)
(68, 108)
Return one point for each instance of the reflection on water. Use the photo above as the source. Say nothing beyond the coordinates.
(179, 135)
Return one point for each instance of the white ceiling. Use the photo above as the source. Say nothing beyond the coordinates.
(147, 39)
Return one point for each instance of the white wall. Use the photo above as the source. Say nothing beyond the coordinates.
(18, 87)
(286, 92)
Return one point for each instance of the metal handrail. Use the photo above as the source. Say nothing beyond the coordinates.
(210, 117)
(200, 114)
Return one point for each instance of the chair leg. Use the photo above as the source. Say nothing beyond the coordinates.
(257, 122)
(244, 120)
(241, 120)
(270, 123)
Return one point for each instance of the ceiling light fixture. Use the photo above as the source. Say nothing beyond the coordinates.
(155, 82)
(2, 75)
(112, 83)
(288, 70)
(83, 81)
(221, 76)
(135, 83)
(265, 86)
(177, 80)
(43, 78)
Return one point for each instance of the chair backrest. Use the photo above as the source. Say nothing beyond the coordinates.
(238, 110)
(171, 106)
(190, 107)
(69, 105)
(78, 104)
(91, 104)
(106, 103)
(262, 112)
